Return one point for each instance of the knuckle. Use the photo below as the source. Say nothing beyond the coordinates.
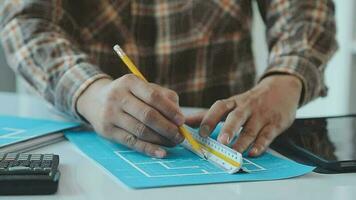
(130, 140)
(219, 103)
(128, 77)
(173, 95)
(226, 104)
(250, 136)
(249, 132)
(140, 130)
(147, 148)
(268, 136)
(149, 115)
(153, 95)
(111, 97)
(253, 102)
(124, 101)
(171, 131)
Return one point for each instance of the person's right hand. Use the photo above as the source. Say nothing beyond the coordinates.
(143, 116)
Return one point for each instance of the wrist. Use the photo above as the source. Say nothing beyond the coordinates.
(290, 79)
(288, 82)
(89, 99)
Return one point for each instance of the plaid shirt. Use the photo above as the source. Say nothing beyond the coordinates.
(199, 48)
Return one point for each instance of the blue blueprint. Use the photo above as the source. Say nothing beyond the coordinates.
(16, 129)
(180, 168)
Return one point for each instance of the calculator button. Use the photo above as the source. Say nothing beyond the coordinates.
(2, 155)
(36, 157)
(46, 163)
(37, 169)
(3, 164)
(23, 157)
(19, 168)
(25, 163)
(48, 157)
(11, 156)
(47, 169)
(13, 163)
(35, 164)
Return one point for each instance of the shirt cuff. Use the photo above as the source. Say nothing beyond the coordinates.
(311, 77)
(72, 84)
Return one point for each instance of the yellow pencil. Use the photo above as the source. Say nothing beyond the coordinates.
(187, 135)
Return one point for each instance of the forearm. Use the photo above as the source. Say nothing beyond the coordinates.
(44, 55)
(301, 39)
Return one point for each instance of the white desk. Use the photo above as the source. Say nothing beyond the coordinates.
(82, 178)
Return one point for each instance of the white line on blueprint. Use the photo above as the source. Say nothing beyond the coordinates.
(164, 165)
(186, 167)
(13, 132)
(132, 164)
(203, 172)
(248, 162)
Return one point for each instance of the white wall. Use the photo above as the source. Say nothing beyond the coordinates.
(7, 77)
(340, 73)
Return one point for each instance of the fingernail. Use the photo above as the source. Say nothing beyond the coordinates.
(178, 138)
(253, 151)
(224, 138)
(204, 131)
(160, 153)
(179, 119)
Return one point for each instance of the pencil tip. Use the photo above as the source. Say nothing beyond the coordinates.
(204, 155)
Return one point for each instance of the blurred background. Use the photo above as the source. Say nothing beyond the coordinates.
(340, 73)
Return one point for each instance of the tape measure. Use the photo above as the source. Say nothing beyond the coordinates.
(216, 153)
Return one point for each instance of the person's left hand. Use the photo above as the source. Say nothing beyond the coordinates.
(264, 112)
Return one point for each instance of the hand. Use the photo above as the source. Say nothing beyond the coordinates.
(264, 112)
(143, 116)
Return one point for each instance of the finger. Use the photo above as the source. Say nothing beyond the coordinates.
(195, 119)
(233, 123)
(170, 94)
(248, 134)
(123, 137)
(154, 97)
(264, 139)
(140, 130)
(152, 118)
(217, 111)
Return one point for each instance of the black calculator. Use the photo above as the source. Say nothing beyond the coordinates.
(28, 174)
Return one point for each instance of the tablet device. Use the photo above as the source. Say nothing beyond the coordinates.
(329, 143)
